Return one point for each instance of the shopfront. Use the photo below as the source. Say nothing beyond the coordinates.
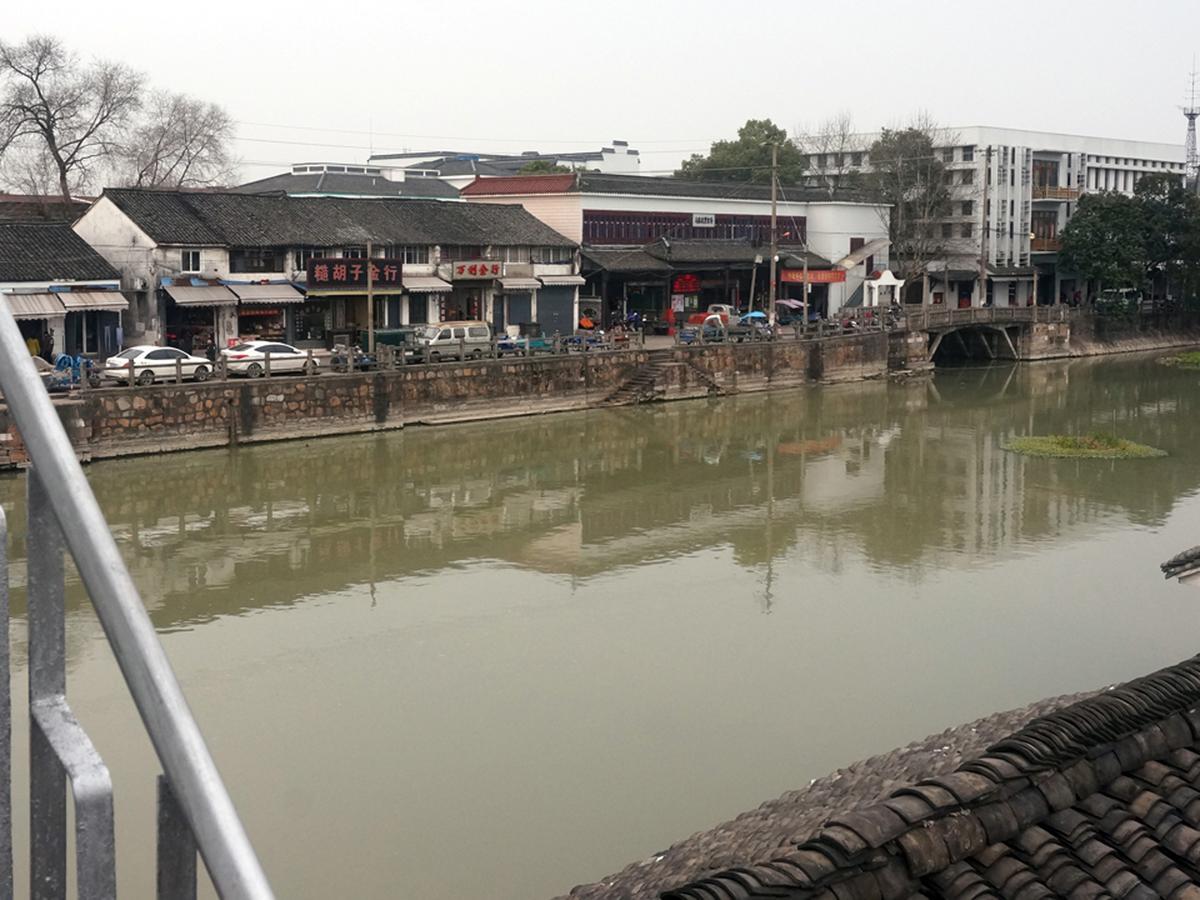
(336, 310)
(792, 287)
(39, 317)
(420, 292)
(557, 305)
(200, 319)
(512, 304)
(267, 312)
(92, 325)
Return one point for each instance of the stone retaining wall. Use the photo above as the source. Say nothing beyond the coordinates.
(160, 418)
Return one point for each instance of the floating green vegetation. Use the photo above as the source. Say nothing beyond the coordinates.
(1189, 360)
(1081, 446)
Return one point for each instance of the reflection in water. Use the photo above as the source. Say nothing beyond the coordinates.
(656, 528)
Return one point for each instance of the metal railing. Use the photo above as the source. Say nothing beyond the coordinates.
(194, 809)
(1048, 192)
(916, 317)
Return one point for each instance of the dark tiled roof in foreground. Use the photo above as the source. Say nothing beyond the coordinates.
(1181, 563)
(226, 219)
(40, 251)
(1100, 799)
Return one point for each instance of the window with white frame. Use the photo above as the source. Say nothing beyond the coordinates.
(190, 261)
(303, 256)
(553, 255)
(515, 254)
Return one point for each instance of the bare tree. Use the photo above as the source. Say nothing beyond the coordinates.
(831, 146)
(74, 113)
(181, 142)
(907, 178)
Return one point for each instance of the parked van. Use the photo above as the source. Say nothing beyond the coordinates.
(454, 340)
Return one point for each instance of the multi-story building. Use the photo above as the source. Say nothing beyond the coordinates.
(205, 268)
(657, 244)
(1012, 193)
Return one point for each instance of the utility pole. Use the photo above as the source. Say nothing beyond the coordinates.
(774, 233)
(983, 232)
(370, 304)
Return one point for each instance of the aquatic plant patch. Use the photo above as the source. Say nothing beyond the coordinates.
(1189, 360)
(1081, 446)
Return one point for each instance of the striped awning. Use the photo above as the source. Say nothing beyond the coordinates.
(95, 301)
(34, 306)
(272, 294)
(557, 280)
(207, 295)
(425, 284)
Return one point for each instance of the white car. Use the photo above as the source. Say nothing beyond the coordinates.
(151, 364)
(250, 359)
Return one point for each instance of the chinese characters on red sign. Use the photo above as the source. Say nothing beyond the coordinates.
(686, 284)
(477, 269)
(352, 272)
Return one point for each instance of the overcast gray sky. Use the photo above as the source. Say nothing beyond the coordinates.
(315, 81)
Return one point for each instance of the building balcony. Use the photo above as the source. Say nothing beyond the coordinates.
(1045, 245)
(1047, 192)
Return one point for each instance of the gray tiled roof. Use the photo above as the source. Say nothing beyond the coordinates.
(1099, 799)
(228, 219)
(49, 252)
(342, 184)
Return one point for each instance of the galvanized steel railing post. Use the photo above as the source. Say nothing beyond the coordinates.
(62, 506)
(6, 851)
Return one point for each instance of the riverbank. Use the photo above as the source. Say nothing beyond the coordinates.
(114, 422)
(165, 418)
(778, 825)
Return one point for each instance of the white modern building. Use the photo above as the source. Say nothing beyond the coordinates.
(1033, 181)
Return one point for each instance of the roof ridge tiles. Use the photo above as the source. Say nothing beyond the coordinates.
(1059, 788)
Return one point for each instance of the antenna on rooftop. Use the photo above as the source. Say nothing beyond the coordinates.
(1191, 156)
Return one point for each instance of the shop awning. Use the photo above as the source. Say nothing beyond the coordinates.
(320, 293)
(34, 306)
(519, 284)
(208, 295)
(425, 284)
(555, 280)
(272, 294)
(97, 301)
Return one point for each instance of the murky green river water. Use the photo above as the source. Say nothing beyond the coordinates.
(499, 659)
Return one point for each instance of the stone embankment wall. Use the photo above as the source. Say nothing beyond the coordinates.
(746, 368)
(1092, 336)
(160, 418)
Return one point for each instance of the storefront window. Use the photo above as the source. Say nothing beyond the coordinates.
(418, 309)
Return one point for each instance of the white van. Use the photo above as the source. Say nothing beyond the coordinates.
(454, 340)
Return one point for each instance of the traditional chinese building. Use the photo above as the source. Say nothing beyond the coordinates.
(62, 293)
(207, 268)
(653, 244)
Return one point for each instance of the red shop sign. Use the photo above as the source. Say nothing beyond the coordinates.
(480, 268)
(815, 276)
(686, 284)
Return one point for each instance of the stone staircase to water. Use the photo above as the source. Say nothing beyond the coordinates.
(651, 381)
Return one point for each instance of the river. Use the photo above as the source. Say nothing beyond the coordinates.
(500, 659)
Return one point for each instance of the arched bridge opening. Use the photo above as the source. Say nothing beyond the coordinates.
(973, 343)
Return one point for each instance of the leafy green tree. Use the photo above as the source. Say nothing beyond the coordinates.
(1106, 240)
(748, 158)
(542, 167)
(907, 179)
